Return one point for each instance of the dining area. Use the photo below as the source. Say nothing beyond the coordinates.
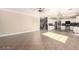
(62, 25)
(59, 19)
(67, 25)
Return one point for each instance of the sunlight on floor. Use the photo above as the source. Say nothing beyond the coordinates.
(58, 37)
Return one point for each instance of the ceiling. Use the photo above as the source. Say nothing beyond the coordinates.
(51, 12)
(62, 12)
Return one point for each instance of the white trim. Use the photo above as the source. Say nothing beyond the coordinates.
(4, 35)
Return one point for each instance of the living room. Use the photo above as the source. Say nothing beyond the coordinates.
(39, 28)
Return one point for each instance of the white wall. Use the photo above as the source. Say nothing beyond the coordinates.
(77, 19)
(11, 22)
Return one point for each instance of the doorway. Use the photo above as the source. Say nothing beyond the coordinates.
(43, 23)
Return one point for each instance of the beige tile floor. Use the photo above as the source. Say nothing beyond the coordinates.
(37, 41)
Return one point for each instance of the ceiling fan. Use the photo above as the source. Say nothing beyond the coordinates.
(41, 9)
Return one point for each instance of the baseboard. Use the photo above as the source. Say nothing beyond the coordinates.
(10, 34)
